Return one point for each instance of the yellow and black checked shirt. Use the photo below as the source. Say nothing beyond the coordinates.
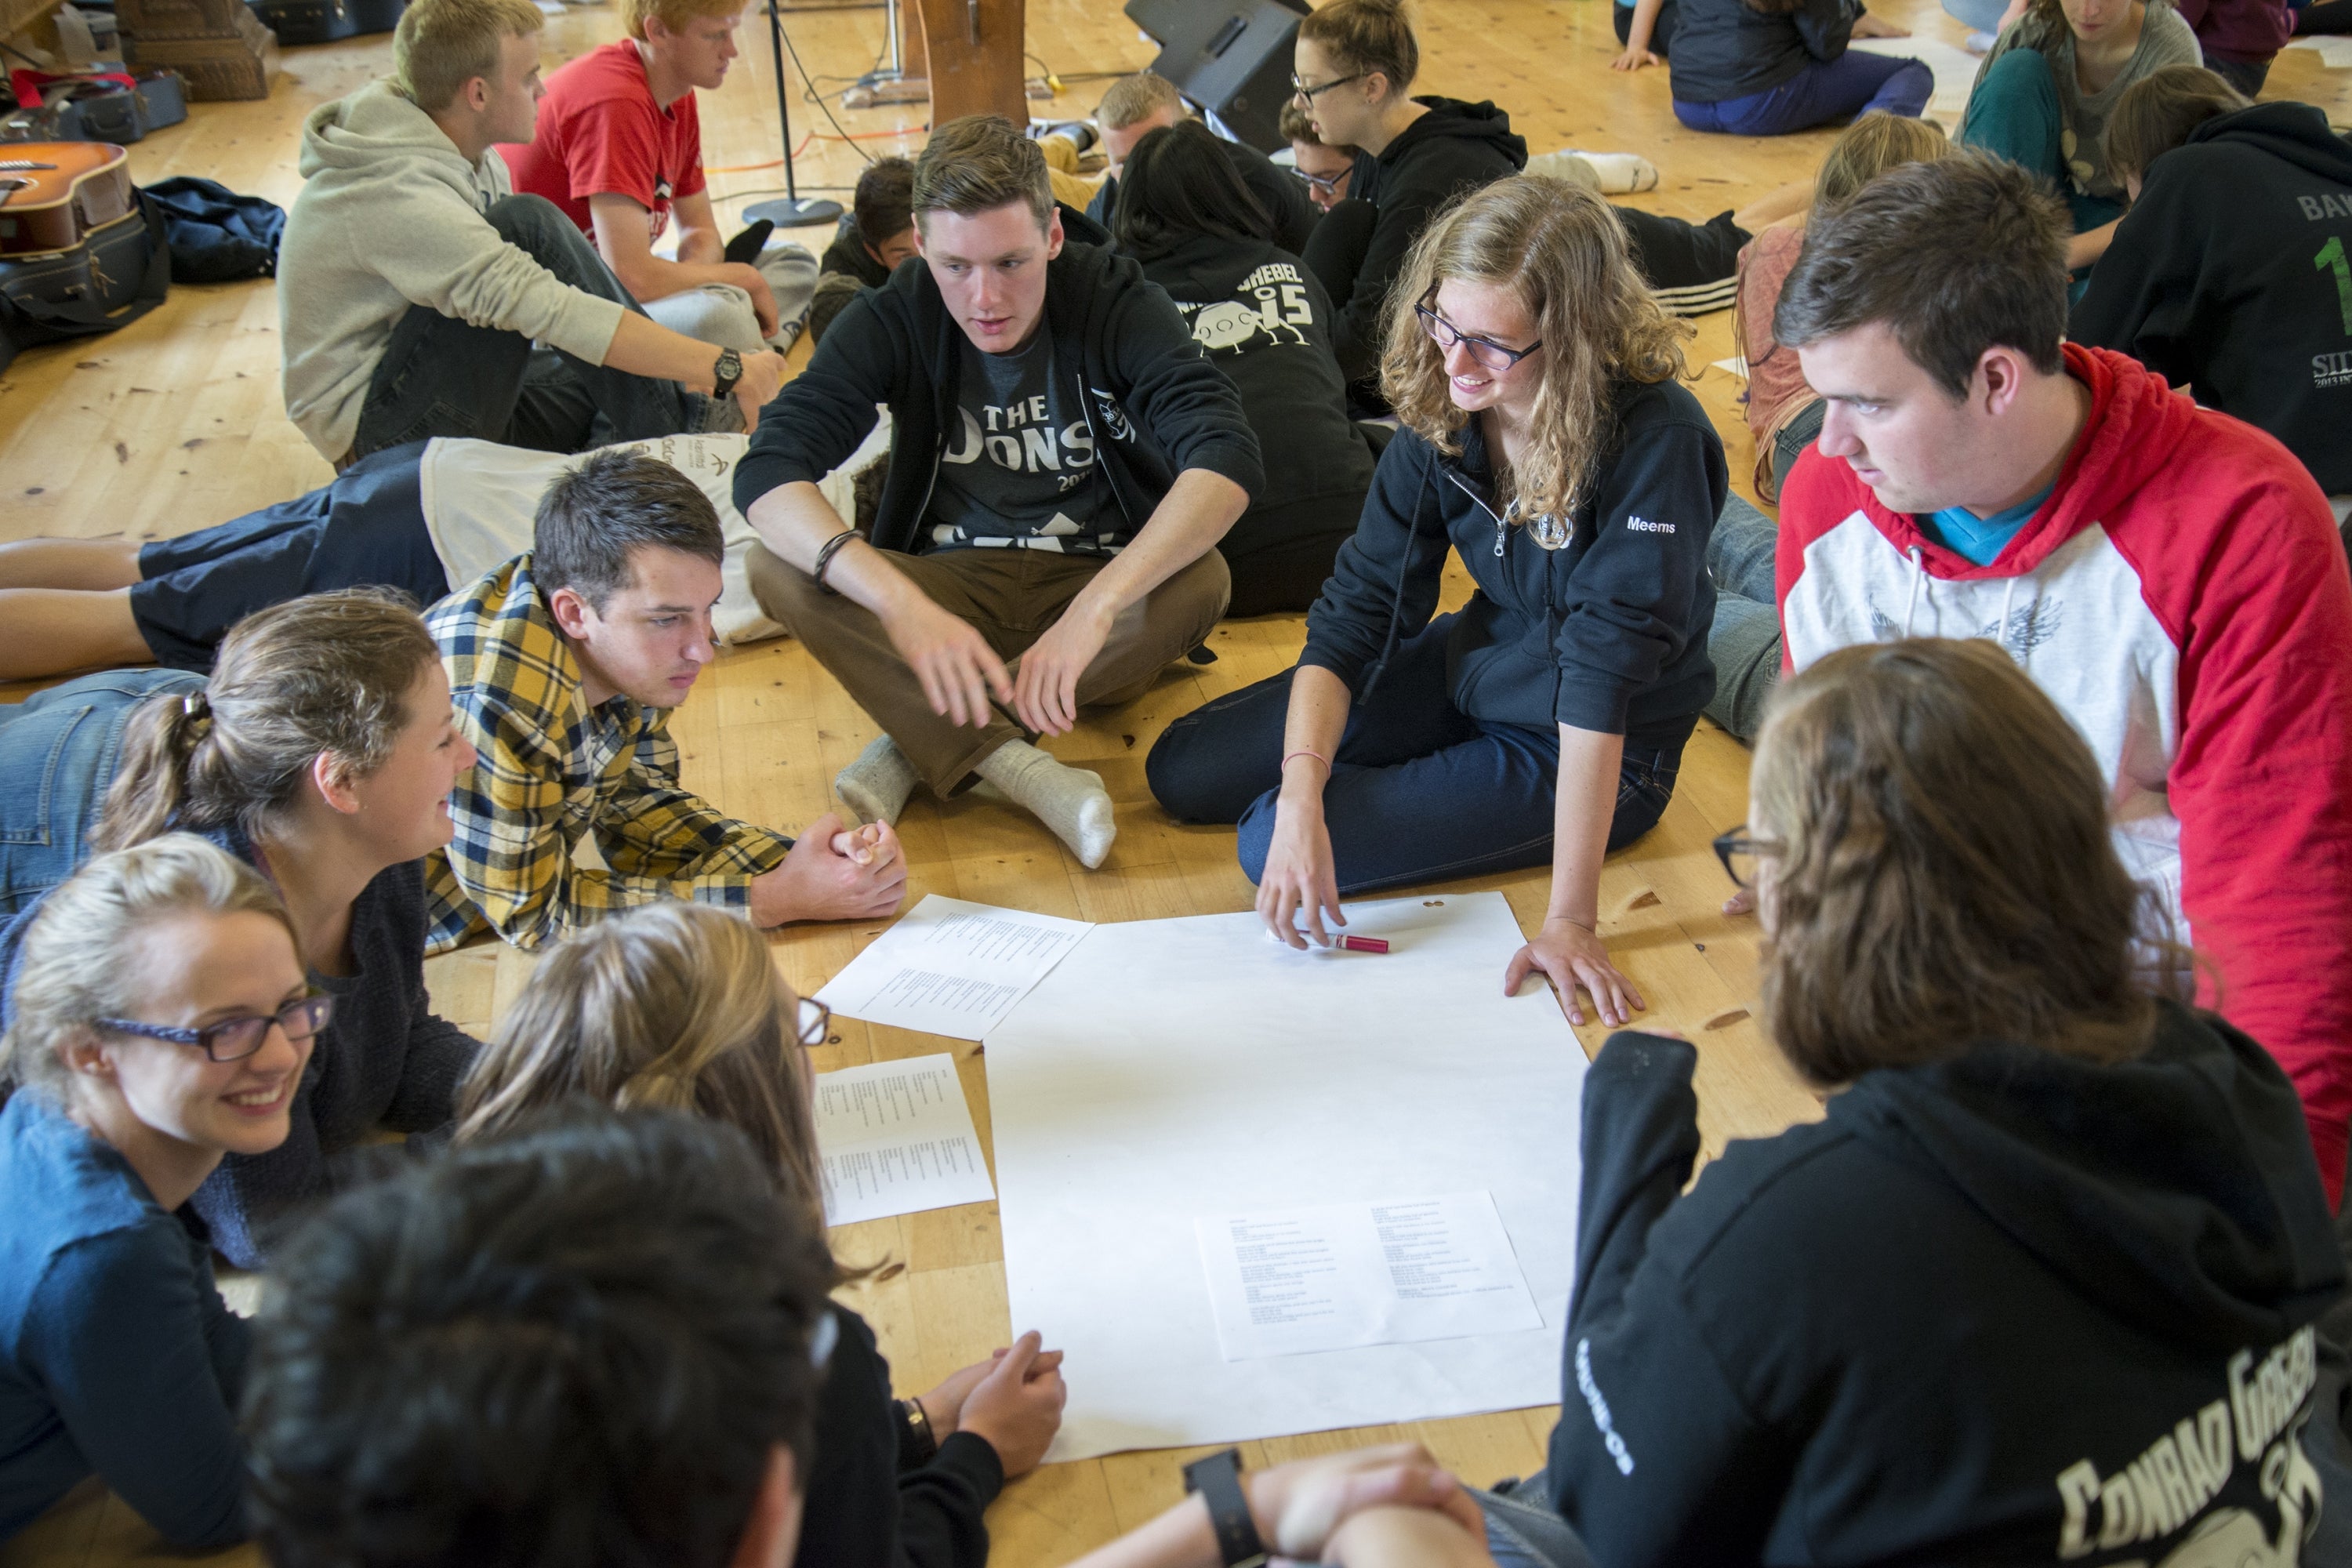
(552, 769)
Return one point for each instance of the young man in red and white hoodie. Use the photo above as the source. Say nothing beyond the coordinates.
(2169, 576)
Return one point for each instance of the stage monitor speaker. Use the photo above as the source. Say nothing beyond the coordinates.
(1231, 56)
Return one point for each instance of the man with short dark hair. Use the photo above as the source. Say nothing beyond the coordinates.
(1064, 460)
(563, 665)
(1134, 107)
(596, 1342)
(2169, 576)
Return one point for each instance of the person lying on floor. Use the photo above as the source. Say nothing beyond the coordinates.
(414, 285)
(321, 753)
(619, 150)
(1549, 439)
(1266, 323)
(2226, 272)
(418, 518)
(680, 1005)
(163, 1024)
(2171, 577)
(1064, 459)
(2044, 1279)
(565, 663)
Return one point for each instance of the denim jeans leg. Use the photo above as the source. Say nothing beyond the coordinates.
(59, 749)
(1212, 764)
(1740, 551)
(440, 376)
(1824, 90)
(634, 407)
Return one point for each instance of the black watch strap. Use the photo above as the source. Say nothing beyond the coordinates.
(1218, 1479)
(726, 372)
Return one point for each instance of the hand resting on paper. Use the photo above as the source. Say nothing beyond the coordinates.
(1016, 1405)
(944, 1406)
(1299, 877)
(1570, 956)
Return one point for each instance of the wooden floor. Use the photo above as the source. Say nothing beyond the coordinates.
(175, 422)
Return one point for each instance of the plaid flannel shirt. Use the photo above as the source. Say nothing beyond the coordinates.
(552, 770)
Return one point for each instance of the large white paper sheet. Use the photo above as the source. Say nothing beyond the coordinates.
(1173, 1068)
(1291, 1280)
(897, 1138)
(952, 968)
(1955, 69)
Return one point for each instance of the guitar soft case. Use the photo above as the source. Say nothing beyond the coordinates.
(121, 271)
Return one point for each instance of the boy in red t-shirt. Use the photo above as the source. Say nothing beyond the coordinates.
(619, 149)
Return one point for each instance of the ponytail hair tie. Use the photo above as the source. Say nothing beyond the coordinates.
(196, 709)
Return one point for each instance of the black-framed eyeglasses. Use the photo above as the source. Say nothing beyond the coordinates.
(1307, 94)
(1487, 351)
(234, 1039)
(813, 1022)
(1742, 854)
(1328, 185)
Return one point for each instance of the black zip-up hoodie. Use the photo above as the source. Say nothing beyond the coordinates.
(2010, 1307)
(1455, 147)
(2221, 277)
(1280, 192)
(1608, 632)
(1154, 402)
(1728, 48)
(1267, 324)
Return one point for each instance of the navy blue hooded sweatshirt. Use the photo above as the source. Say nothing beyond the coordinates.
(1455, 147)
(2007, 1308)
(1607, 634)
(2231, 276)
(1154, 402)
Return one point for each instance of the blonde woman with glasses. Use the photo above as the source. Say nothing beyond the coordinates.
(679, 1007)
(163, 1023)
(1546, 437)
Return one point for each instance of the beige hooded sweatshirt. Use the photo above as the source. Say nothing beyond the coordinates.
(391, 215)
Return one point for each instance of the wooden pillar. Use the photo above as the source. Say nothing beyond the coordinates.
(975, 63)
(912, 60)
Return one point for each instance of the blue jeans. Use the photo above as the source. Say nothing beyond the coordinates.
(1523, 1529)
(1978, 15)
(440, 376)
(58, 754)
(1420, 791)
(1857, 82)
(1745, 641)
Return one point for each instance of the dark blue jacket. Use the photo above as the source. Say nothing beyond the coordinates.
(1728, 48)
(1607, 634)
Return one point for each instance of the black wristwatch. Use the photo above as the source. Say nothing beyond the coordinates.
(1218, 1479)
(728, 372)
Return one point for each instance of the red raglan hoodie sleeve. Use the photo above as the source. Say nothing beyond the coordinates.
(2259, 603)
(1817, 495)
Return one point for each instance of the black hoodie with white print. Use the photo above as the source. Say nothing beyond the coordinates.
(2008, 1308)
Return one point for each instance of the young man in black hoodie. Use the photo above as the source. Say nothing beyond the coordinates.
(1064, 461)
(2041, 1288)
(2230, 275)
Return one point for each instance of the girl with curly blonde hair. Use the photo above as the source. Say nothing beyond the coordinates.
(1547, 438)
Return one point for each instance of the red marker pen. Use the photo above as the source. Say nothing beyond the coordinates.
(1364, 944)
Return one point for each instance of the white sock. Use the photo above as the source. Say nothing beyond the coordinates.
(1071, 801)
(1623, 173)
(876, 787)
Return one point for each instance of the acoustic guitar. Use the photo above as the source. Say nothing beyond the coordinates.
(52, 193)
